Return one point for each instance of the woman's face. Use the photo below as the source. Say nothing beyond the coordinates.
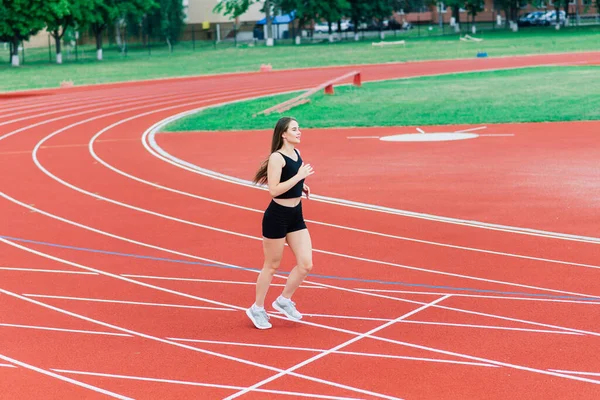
(292, 134)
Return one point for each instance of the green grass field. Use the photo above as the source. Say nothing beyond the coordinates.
(521, 95)
(208, 60)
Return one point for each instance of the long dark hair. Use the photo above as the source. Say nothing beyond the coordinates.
(276, 143)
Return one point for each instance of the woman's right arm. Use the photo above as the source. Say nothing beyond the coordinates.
(276, 164)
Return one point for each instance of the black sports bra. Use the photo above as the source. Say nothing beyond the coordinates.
(289, 171)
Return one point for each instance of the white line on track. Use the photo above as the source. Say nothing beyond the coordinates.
(202, 384)
(339, 346)
(576, 372)
(170, 278)
(352, 317)
(7, 366)
(137, 303)
(479, 296)
(207, 352)
(412, 345)
(62, 378)
(54, 271)
(47, 328)
(350, 353)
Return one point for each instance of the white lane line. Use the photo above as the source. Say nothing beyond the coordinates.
(7, 366)
(363, 137)
(350, 353)
(490, 327)
(196, 349)
(63, 378)
(169, 278)
(412, 345)
(201, 384)
(480, 296)
(47, 328)
(137, 303)
(55, 271)
(158, 152)
(420, 130)
(576, 372)
(331, 350)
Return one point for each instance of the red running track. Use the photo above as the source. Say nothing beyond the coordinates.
(125, 275)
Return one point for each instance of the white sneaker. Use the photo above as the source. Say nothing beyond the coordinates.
(259, 317)
(287, 307)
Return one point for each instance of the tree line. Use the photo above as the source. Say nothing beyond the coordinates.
(21, 19)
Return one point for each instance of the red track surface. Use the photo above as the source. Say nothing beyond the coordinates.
(511, 308)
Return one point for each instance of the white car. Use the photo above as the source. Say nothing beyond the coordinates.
(323, 27)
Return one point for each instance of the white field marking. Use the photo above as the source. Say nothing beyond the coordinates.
(46, 328)
(176, 344)
(351, 353)
(168, 278)
(332, 328)
(420, 130)
(55, 271)
(120, 172)
(137, 303)
(471, 129)
(158, 152)
(63, 378)
(576, 372)
(7, 365)
(479, 296)
(490, 327)
(363, 137)
(211, 385)
(221, 263)
(498, 134)
(331, 350)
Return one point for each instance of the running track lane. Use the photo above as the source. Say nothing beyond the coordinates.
(276, 381)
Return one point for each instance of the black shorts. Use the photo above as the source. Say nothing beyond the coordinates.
(280, 220)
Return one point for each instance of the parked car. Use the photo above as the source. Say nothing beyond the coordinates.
(323, 27)
(550, 18)
(530, 19)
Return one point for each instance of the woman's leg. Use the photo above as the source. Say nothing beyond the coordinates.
(273, 251)
(301, 245)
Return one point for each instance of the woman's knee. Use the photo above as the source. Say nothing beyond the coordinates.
(271, 265)
(305, 265)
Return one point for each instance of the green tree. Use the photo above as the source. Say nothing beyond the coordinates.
(473, 7)
(169, 18)
(304, 10)
(19, 20)
(60, 17)
(235, 8)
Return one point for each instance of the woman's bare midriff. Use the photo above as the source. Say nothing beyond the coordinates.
(288, 202)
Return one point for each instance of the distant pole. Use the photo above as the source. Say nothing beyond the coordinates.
(49, 50)
(193, 38)
(23, 51)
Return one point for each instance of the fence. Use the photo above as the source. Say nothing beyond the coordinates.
(229, 35)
